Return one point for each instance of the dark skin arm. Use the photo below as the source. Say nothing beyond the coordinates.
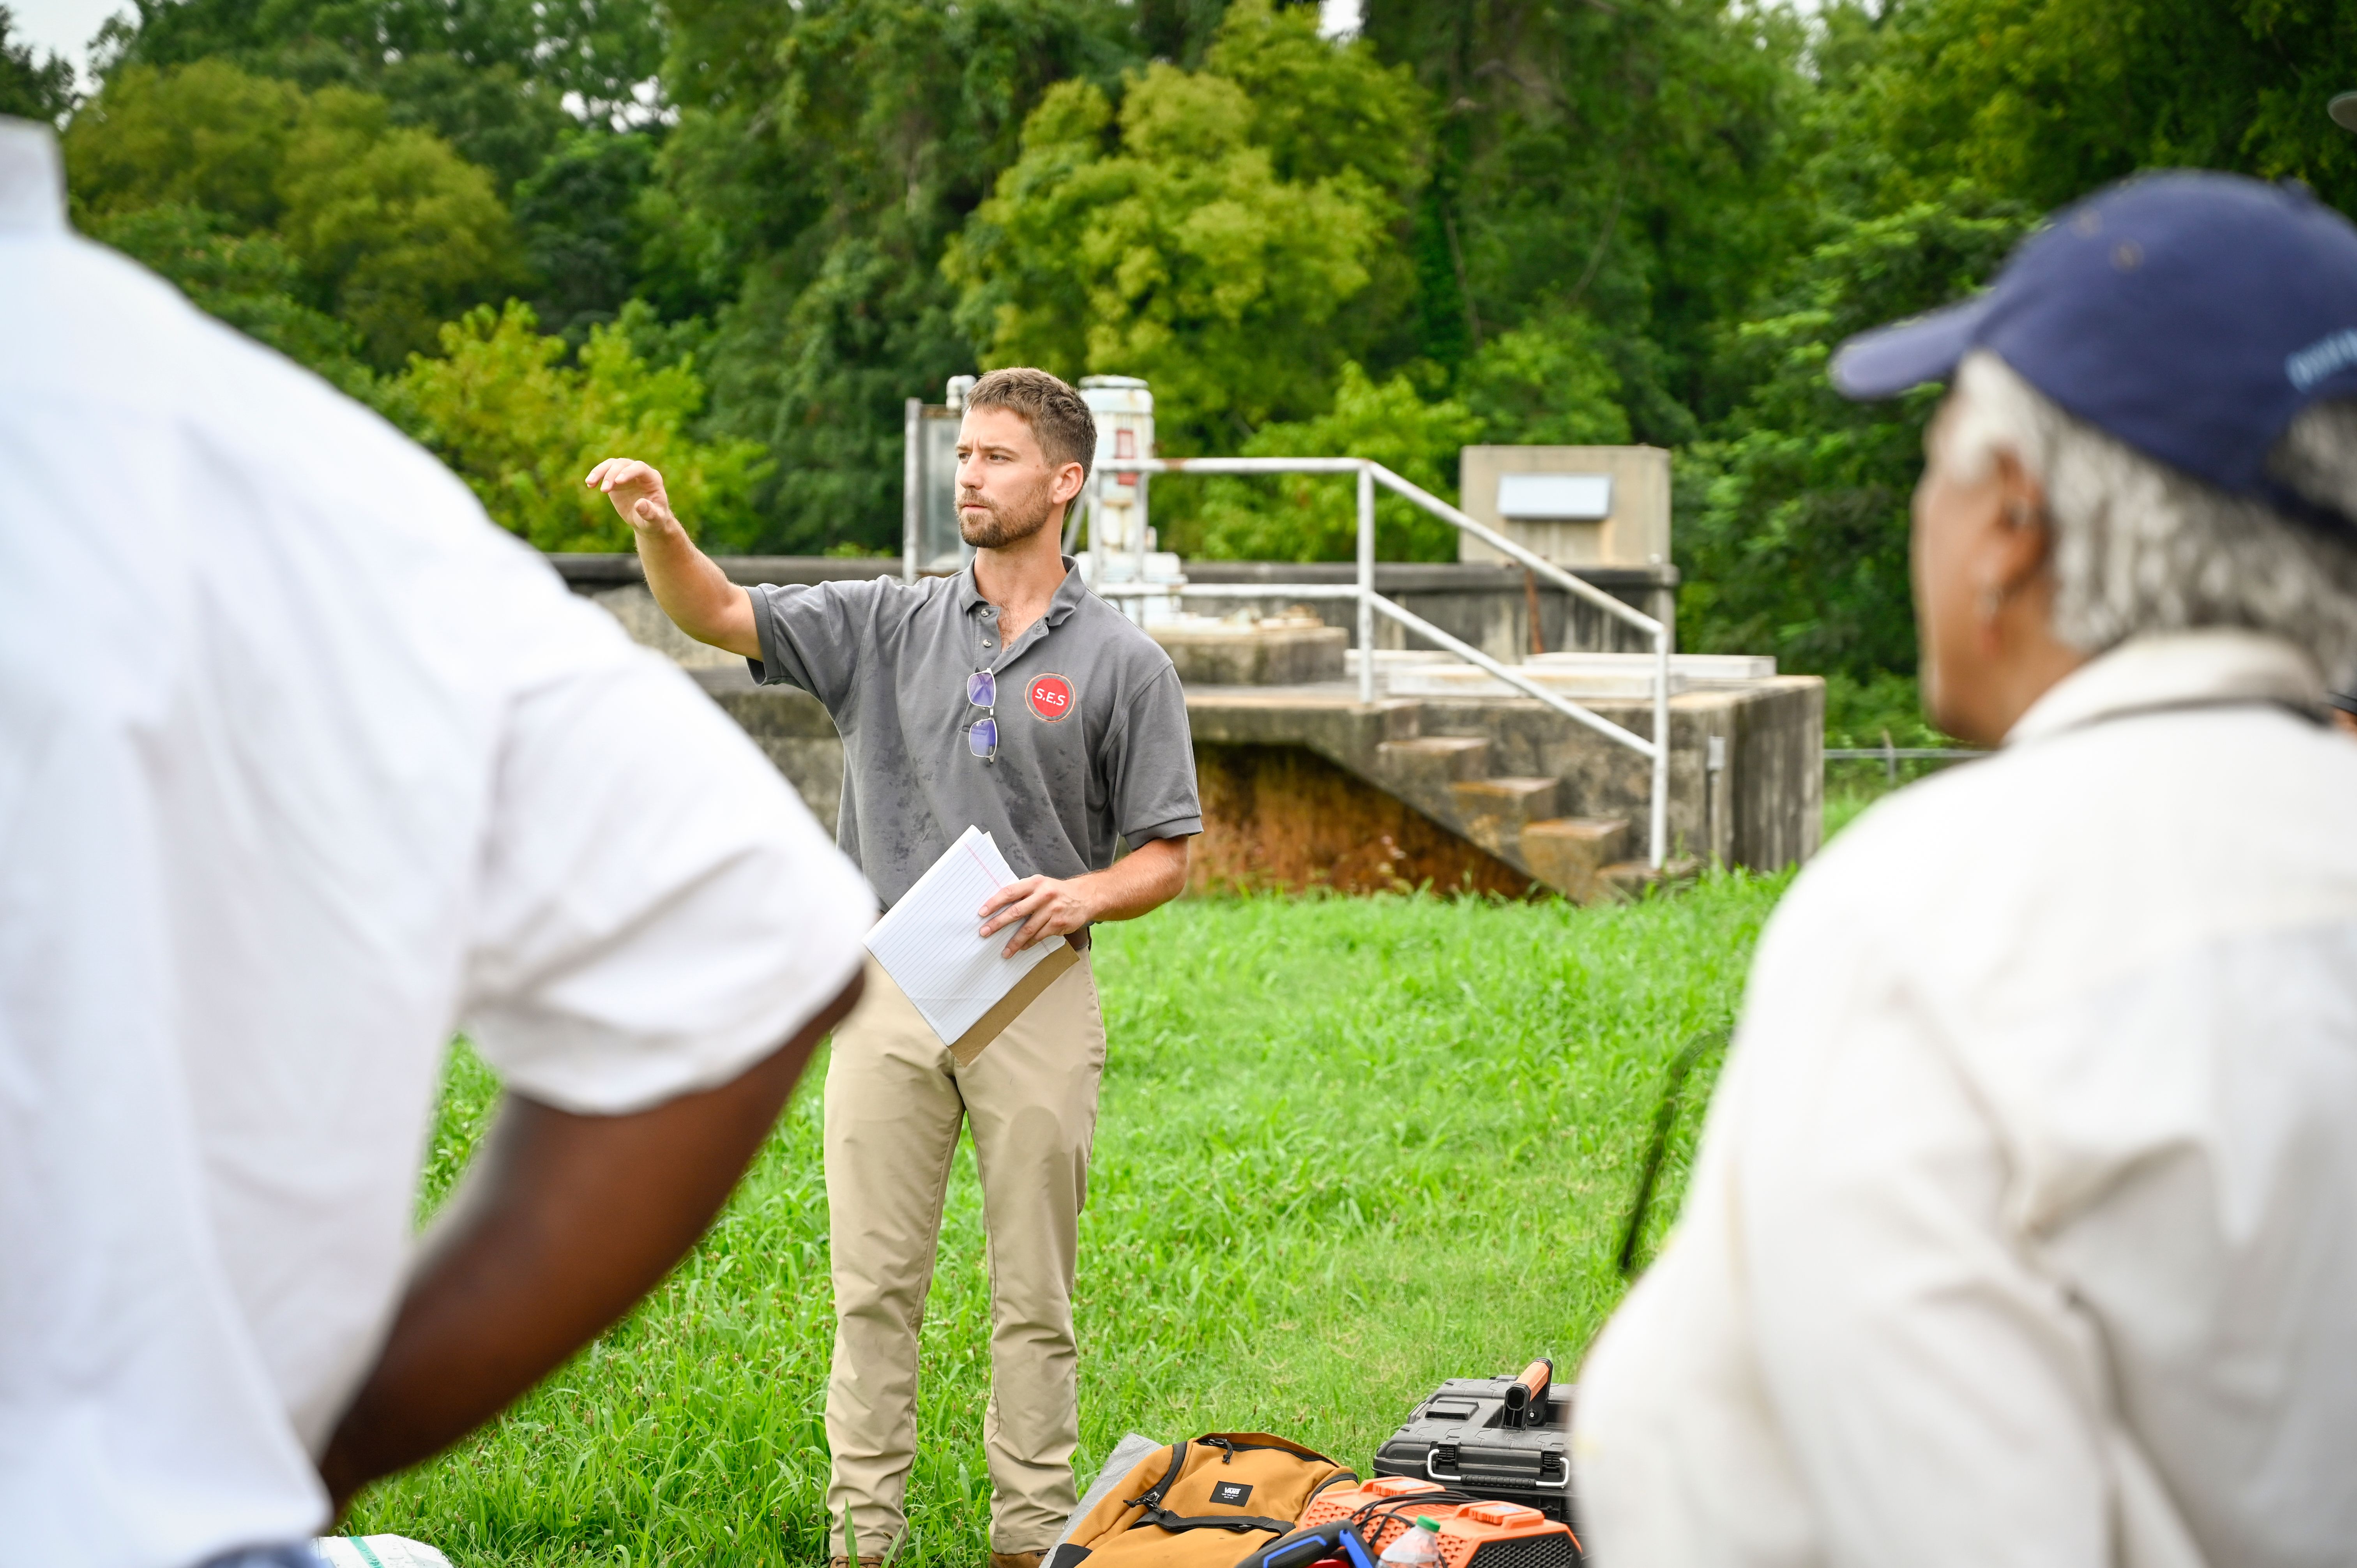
(560, 1224)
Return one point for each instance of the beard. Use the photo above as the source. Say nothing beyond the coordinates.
(1010, 521)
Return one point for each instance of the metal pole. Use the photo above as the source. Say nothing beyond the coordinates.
(1661, 814)
(912, 485)
(1366, 583)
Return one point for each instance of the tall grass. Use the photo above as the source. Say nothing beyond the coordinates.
(1349, 1147)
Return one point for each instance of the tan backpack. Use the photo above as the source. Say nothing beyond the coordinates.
(1203, 1504)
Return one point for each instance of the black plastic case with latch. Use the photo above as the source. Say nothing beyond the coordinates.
(1466, 1438)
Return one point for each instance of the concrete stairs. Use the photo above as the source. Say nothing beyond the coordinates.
(1590, 860)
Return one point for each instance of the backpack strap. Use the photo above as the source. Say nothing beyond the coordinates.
(1151, 1498)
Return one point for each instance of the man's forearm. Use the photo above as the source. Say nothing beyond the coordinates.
(1140, 881)
(694, 592)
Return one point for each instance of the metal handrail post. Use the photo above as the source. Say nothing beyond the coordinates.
(1367, 583)
(1660, 825)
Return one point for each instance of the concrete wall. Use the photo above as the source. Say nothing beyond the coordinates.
(1636, 534)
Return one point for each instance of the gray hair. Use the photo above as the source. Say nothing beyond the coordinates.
(2141, 547)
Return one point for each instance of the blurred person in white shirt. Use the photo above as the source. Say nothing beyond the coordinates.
(303, 764)
(2024, 1226)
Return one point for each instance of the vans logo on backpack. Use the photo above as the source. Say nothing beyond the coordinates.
(1232, 1494)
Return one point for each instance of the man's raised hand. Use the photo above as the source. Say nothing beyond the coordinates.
(636, 490)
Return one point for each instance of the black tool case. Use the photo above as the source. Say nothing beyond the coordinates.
(1460, 1438)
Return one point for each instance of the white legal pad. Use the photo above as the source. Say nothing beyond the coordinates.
(930, 943)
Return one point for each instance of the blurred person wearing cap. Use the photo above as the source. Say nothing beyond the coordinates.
(305, 764)
(2024, 1225)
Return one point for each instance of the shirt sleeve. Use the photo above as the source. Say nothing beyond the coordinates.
(811, 635)
(1151, 766)
(659, 910)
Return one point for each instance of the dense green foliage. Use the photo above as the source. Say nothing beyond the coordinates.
(1513, 220)
(1348, 1148)
(31, 89)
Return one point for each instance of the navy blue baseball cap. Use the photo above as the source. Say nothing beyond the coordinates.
(2191, 316)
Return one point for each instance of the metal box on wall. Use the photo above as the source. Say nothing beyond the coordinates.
(1576, 506)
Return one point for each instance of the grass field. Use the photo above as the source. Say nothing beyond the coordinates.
(1349, 1147)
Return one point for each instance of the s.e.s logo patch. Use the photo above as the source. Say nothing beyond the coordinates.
(1050, 697)
(1232, 1494)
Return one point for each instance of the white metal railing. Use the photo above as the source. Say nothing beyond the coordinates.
(1373, 603)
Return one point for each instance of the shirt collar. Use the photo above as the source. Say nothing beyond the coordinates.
(32, 181)
(1069, 593)
(2218, 664)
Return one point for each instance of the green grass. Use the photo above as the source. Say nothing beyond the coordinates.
(1349, 1147)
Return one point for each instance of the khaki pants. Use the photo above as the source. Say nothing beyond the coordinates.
(894, 1100)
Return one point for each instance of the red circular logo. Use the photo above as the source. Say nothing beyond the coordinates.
(1050, 697)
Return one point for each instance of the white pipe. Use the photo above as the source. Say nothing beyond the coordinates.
(1366, 583)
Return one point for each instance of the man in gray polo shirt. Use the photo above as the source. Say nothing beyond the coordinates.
(1012, 699)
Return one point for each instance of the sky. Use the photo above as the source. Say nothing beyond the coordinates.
(61, 26)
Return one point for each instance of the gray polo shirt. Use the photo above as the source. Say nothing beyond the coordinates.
(1093, 741)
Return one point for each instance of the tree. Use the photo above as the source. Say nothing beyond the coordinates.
(825, 152)
(391, 231)
(398, 231)
(32, 89)
(1633, 161)
(2041, 101)
(1548, 384)
(1799, 544)
(522, 428)
(598, 50)
(1316, 517)
(1218, 235)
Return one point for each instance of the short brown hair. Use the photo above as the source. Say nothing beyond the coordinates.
(1066, 429)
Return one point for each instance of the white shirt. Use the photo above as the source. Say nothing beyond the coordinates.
(2024, 1229)
(302, 764)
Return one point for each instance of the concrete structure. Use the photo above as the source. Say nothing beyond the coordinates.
(1244, 650)
(1576, 506)
(1305, 785)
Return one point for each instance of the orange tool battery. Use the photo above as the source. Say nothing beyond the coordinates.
(1506, 1535)
(1385, 1508)
(1475, 1532)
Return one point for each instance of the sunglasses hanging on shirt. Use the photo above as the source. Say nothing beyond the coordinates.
(982, 734)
